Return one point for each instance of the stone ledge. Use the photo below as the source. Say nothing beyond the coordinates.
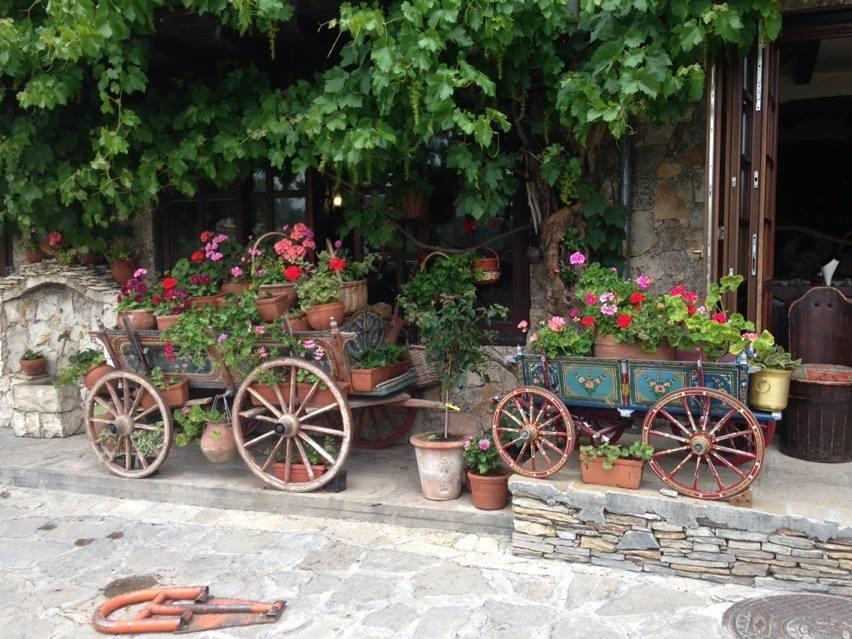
(87, 281)
(41, 396)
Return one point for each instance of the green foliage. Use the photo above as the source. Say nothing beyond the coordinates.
(78, 365)
(482, 456)
(161, 380)
(192, 419)
(87, 130)
(380, 356)
(147, 442)
(31, 354)
(563, 340)
(612, 452)
(119, 249)
(769, 355)
(321, 287)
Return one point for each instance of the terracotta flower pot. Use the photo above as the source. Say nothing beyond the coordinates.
(206, 300)
(91, 378)
(440, 465)
(274, 290)
(271, 308)
(140, 320)
(625, 473)
(298, 323)
(298, 472)
(218, 443)
(488, 492)
(319, 317)
(47, 249)
(322, 396)
(122, 271)
(34, 367)
(175, 395)
(606, 346)
(366, 379)
(166, 321)
(33, 255)
(90, 259)
(233, 288)
(268, 393)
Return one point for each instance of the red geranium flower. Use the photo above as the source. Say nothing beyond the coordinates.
(590, 299)
(198, 256)
(637, 298)
(169, 283)
(293, 273)
(54, 238)
(624, 320)
(719, 317)
(156, 299)
(206, 235)
(337, 264)
(691, 310)
(588, 321)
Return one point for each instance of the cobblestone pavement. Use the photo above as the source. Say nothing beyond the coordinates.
(59, 551)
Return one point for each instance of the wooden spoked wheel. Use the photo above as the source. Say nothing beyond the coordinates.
(369, 329)
(381, 426)
(707, 443)
(278, 432)
(533, 431)
(128, 424)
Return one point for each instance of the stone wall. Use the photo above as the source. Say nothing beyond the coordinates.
(705, 540)
(51, 308)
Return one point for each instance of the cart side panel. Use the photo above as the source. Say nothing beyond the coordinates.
(648, 381)
(578, 380)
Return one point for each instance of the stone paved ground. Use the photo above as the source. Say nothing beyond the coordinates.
(58, 551)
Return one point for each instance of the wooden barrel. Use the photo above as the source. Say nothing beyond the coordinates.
(817, 424)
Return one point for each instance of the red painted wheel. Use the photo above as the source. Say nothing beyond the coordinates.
(533, 431)
(712, 430)
(381, 426)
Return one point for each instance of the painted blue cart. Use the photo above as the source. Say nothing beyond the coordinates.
(708, 443)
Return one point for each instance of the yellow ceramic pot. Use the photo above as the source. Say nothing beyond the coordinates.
(769, 389)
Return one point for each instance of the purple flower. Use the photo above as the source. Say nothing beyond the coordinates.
(319, 353)
(338, 244)
(222, 337)
(643, 281)
(609, 309)
(484, 444)
(140, 272)
(577, 258)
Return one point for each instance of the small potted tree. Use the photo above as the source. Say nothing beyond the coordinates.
(613, 465)
(441, 302)
(489, 481)
(90, 365)
(769, 388)
(33, 363)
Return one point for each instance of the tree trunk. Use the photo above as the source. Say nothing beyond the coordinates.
(553, 231)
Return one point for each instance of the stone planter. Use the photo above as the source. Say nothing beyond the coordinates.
(488, 492)
(218, 443)
(606, 346)
(34, 367)
(142, 320)
(625, 473)
(769, 389)
(366, 379)
(94, 374)
(271, 308)
(166, 321)
(122, 271)
(319, 317)
(440, 465)
(298, 472)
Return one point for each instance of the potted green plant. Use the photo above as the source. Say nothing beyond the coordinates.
(297, 320)
(373, 366)
(33, 253)
(210, 429)
(90, 365)
(769, 388)
(489, 481)
(148, 443)
(174, 391)
(305, 380)
(351, 273)
(275, 273)
(319, 297)
(51, 244)
(33, 363)
(318, 463)
(614, 465)
(441, 302)
(559, 337)
(121, 255)
(134, 302)
(169, 301)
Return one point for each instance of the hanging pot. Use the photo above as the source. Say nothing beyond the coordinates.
(218, 443)
(487, 269)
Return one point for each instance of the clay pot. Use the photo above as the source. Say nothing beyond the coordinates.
(33, 255)
(298, 472)
(274, 290)
(322, 396)
(440, 465)
(175, 396)
(606, 346)
(206, 300)
(366, 379)
(166, 321)
(91, 378)
(271, 308)
(90, 259)
(34, 367)
(268, 393)
(625, 473)
(46, 249)
(122, 271)
(298, 323)
(218, 443)
(140, 320)
(488, 492)
(319, 317)
(233, 288)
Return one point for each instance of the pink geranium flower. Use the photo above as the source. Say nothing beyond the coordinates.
(577, 259)
(484, 444)
(644, 282)
(523, 325)
(609, 309)
(556, 323)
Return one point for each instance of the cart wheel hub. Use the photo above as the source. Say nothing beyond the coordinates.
(700, 444)
(288, 426)
(122, 425)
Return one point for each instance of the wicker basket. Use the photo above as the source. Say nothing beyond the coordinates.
(425, 373)
(354, 296)
(487, 269)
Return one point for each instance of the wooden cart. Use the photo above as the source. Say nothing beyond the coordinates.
(708, 443)
(130, 426)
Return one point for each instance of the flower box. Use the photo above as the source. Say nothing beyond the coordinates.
(366, 379)
(625, 473)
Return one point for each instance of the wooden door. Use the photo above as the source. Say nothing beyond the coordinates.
(745, 113)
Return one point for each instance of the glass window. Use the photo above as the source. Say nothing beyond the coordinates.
(288, 210)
